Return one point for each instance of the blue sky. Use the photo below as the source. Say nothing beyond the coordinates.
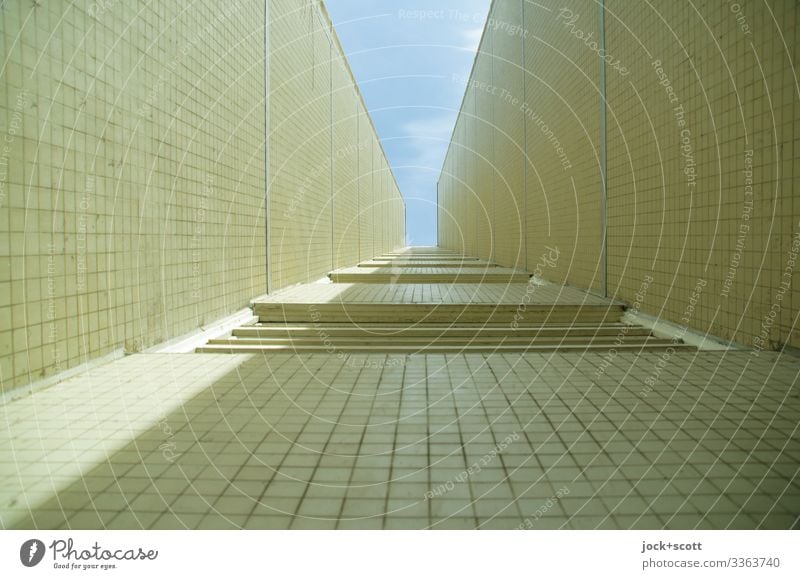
(405, 56)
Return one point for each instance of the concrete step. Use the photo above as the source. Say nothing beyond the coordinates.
(611, 331)
(444, 263)
(432, 313)
(432, 275)
(423, 258)
(422, 253)
(422, 307)
(347, 341)
(237, 348)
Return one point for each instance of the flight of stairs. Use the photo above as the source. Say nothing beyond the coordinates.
(427, 300)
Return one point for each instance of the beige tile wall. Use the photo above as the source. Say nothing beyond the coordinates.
(133, 172)
(132, 204)
(482, 149)
(562, 128)
(701, 206)
(366, 150)
(330, 182)
(526, 143)
(509, 135)
(730, 224)
(345, 165)
(301, 142)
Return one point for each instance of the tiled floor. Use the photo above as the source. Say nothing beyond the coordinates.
(462, 441)
(643, 439)
(501, 293)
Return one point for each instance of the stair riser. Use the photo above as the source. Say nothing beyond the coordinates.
(422, 258)
(426, 278)
(437, 317)
(467, 327)
(433, 313)
(324, 340)
(436, 349)
(471, 266)
(444, 333)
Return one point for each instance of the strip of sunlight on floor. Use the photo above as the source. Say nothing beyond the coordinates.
(52, 438)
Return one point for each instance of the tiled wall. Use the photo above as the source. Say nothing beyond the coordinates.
(334, 200)
(523, 173)
(133, 177)
(133, 171)
(701, 138)
(709, 207)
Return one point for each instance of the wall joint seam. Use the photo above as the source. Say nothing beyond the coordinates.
(603, 149)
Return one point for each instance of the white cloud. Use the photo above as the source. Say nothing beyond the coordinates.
(472, 38)
(437, 127)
